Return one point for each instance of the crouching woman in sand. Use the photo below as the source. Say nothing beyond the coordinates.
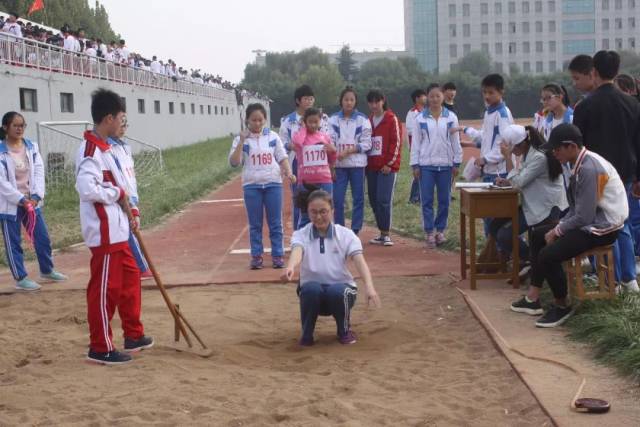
(327, 288)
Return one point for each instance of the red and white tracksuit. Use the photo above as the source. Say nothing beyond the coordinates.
(115, 277)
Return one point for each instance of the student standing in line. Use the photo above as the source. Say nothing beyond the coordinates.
(435, 155)
(315, 156)
(609, 121)
(22, 189)
(351, 134)
(292, 123)
(419, 98)
(449, 91)
(555, 101)
(383, 164)
(497, 118)
(264, 160)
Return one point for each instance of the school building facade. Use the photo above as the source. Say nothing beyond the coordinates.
(533, 36)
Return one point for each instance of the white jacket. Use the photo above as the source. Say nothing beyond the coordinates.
(126, 175)
(104, 225)
(261, 158)
(488, 139)
(432, 143)
(352, 132)
(9, 194)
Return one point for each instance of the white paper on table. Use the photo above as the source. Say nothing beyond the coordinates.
(473, 184)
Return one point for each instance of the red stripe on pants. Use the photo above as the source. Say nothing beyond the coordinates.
(104, 224)
(114, 283)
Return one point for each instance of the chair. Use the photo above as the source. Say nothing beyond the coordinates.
(604, 264)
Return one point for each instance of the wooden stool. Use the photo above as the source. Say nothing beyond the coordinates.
(604, 263)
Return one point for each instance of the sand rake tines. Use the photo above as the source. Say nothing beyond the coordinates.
(178, 317)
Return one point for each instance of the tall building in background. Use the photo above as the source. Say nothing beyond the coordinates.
(533, 36)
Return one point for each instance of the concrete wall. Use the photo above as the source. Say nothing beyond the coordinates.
(219, 116)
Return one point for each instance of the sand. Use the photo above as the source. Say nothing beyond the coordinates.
(421, 360)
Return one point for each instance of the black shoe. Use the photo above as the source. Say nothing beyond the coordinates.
(110, 358)
(556, 316)
(131, 346)
(524, 306)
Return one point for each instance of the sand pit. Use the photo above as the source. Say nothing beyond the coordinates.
(422, 360)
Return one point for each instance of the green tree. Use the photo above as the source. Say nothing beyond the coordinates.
(346, 63)
(476, 62)
(326, 82)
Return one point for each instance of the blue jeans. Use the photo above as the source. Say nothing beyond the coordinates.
(436, 178)
(490, 177)
(634, 219)
(257, 200)
(623, 251)
(500, 229)
(137, 253)
(344, 177)
(380, 188)
(13, 244)
(304, 215)
(323, 299)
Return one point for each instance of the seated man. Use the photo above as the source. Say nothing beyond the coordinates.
(597, 210)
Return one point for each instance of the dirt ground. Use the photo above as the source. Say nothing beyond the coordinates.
(421, 360)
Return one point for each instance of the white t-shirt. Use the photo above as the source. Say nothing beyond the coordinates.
(12, 28)
(324, 259)
(155, 67)
(70, 43)
(91, 51)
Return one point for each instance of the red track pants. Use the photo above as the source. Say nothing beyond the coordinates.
(115, 282)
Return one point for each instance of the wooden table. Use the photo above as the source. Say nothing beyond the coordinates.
(487, 203)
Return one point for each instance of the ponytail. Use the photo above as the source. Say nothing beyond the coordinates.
(536, 141)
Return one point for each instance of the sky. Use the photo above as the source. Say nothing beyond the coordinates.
(218, 36)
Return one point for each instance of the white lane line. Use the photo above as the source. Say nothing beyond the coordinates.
(221, 201)
(248, 251)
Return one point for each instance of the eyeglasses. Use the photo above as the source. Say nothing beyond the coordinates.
(321, 212)
(22, 126)
(547, 98)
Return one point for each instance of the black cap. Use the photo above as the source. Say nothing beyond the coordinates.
(563, 134)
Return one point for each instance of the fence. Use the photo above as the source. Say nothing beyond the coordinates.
(59, 142)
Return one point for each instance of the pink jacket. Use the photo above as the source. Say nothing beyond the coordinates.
(313, 159)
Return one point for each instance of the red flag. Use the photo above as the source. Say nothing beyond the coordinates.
(37, 5)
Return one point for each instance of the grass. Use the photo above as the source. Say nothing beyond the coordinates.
(190, 172)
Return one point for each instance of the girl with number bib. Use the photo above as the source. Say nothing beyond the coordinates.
(316, 156)
(264, 159)
(383, 164)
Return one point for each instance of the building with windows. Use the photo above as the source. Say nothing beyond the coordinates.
(534, 36)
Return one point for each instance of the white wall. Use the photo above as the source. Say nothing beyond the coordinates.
(164, 129)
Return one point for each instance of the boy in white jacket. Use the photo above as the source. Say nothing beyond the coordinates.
(104, 220)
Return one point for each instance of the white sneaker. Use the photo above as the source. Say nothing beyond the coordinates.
(377, 240)
(386, 241)
(628, 287)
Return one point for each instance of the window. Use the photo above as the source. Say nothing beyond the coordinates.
(512, 47)
(453, 50)
(466, 30)
(498, 28)
(66, 102)
(28, 99)
(525, 7)
(484, 8)
(584, 26)
(552, 27)
(577, 47)
(209, 109)
(156, 107)
(525, 27)
(539, 67)
(171, 108)
(511, 7)
(201, 109)
(538, 47)
(618, 23)
(605, 44)
(499, 67)
(526, 47)
(484, 28)
(605, 24)
(498, 48)
(183, 110)
(618, 4)
(632, 22)
(572, 7)
(141, 107)
(452, 11)
(552, 46)
(632, 43)
(215, 110)
(538, 26)
(526, 66)
(538, 6)
(552, 66)
(227, 111)
(498, 8)
(605, 4)
(466, 9)
(466, 49)
(552, 6)
(512, 27)
(452, 30)
(632, 4)
(193, 108)
(485, 47)
(618, 44)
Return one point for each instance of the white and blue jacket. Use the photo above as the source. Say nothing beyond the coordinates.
(547, 124)
(496, 119)
(432, 143)
(352, 132)
(261, 158)
(125, 175)
(9, 194)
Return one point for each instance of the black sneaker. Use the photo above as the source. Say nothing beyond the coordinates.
(110, 358)
(131, 346)
(524, 306)
(556, 316)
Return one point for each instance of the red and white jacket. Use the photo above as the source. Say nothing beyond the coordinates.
(386, 143)
(105, 226)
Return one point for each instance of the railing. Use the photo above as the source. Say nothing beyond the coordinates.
(33, 54)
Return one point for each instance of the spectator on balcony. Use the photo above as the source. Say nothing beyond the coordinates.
(70, 41)
(90, 48)
(123, 52)
(82, 39)
(12, 26)
(155, 65)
